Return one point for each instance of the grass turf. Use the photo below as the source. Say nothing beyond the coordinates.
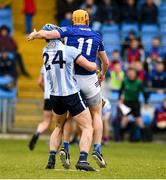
(124, 160)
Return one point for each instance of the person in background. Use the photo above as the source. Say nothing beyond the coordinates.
(67, 20)
(5, 4)
(157, 78)
(108, 12)
(116, 57)
(129, 96)
(133, 53)
(156, 48)
(64, 6)
(140, 70)
(29, 11)
(106, 114)
(149, 12)
(91, 8)
(8, 43)
(7, 69)
(116, 77)
(129, 13)
(159, 122)
(47, 109)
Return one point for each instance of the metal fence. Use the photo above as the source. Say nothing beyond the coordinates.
(20, 115)
(23, 115)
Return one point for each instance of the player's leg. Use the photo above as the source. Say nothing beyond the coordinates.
(67, 132)
(55, 140)
(47, 117)
(85, 124)
(82, 116)
(64, 152)
(56, 137)
(106, 127)
(91, 90)
(96, 113)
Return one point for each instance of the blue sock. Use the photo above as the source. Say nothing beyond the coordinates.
(97, 147)
(66, 145)
(83, 156)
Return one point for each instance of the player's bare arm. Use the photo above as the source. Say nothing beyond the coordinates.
(105, 64)
(90, 66)
(41, 81)
(42, 34)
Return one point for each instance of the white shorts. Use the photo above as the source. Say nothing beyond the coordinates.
(89, 86)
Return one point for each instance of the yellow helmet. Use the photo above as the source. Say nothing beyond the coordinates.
(80, 17)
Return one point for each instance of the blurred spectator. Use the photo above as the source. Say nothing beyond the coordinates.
(115, 58)
(129, 12)
(134, 53)
(64, 6)
(29, 11)
(127, 41)
(140, 70)
(158, 76)
(108, 12)
(156, 48)
(7, 65)
(129, 96)
(7, 68)
(67, 21)
(160, 116)
(116, 77)
(154, 54)
(149, 12)
(91, 8)
(5, 4)
(8, 43)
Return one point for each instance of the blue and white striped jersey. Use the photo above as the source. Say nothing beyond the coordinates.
(46, 83)
(59, 64)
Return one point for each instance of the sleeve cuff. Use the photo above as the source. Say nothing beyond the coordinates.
(77, 57)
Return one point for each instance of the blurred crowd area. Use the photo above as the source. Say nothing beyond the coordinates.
(134, 35)
(11, 61)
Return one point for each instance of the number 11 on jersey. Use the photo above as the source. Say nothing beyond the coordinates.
(81, 44)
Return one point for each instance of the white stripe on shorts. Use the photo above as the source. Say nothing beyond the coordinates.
(81, 100)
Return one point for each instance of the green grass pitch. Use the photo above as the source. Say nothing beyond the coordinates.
(124, 160)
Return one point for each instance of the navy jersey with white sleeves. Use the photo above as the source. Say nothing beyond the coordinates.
(86, 40)
(59, 64)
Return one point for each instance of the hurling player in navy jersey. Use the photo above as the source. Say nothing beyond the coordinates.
(89, 42)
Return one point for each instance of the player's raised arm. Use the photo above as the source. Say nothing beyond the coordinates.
(83, 62)
(42, 34)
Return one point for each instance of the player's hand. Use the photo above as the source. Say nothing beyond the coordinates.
(101, 77)
(32, 35)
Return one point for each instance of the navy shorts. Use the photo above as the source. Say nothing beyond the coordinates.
(47, 105)
(74, 103)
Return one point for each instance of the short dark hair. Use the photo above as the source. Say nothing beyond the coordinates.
(4, 27)
(116, 51)
(133, 69)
